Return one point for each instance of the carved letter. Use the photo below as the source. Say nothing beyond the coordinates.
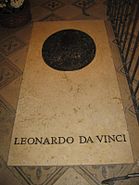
(15, 141)
(70, 140)
(100, 138)
(89, 140)
(82, 139)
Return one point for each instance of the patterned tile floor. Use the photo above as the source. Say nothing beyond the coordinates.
(13, 50)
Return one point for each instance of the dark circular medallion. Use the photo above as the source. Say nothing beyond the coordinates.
(68, 50)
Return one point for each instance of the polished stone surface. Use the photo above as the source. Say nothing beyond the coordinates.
(68, 50)
(83, 106)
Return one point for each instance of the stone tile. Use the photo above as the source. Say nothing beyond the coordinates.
(10, 45)
(2, 58)
(84, 3)
(52, 17)
(84, 17)
(99, 173)
(53, 4)
(7, 114)
(39, 13)
(97, 11)
(67, 2)
(124, 171)
(8, 72)
(19, 58)
(5, 140)
(69, 98)
(11, 92)
(71, 177)
(134, 181)
(6, 111)
(6, 177)
(131, 110)
(40, 175)
(36, 3)
(68, 12)
(24, 34)
(4, 32)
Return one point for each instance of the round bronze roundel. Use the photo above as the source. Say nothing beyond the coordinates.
(68, 50)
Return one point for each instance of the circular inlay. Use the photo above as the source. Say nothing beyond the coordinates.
(68, 50)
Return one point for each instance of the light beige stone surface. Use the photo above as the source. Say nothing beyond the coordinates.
(85, 102)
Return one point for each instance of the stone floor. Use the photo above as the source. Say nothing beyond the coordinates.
(13, 50)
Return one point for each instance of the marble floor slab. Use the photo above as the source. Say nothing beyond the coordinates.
(61, 119)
